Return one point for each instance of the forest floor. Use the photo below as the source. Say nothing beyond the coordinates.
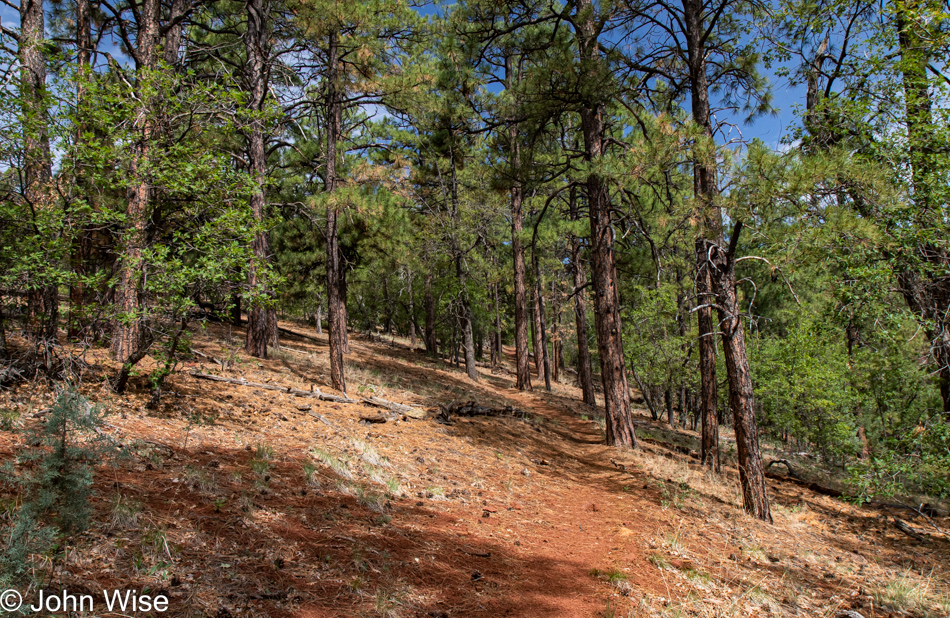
(238, 501)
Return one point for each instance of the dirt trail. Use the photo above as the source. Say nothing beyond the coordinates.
(241, 502)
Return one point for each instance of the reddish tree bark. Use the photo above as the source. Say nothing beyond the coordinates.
(129, 337)
(336, 297)
(741, 400)
(619, 424)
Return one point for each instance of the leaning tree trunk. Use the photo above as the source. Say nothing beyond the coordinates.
(336, 299)
(584, 374)
(741, 399)
(261, 319)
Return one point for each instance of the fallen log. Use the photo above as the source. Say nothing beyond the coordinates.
(296, 392)
(914, 534)
(473, 409)
(201, 354)
(399, 408)
(287, 331)
(295, 351)
(376, 418)
(815, 487)
(788, 466)
(322, 419)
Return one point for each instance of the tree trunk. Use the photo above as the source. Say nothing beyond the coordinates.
(173, 36)
(584, 374)
(320, 318)
(129, 329)
(522, 362)
(4, 353)
(541, 343)
(705, 188)
(926, 289)
(536, 335)
(432, 348)
(412, 311)
(497, 356)
(261, 320)
(608, 325)
(468, 339)
(522, 368)
(741, 400)
(236, 309)
(43, 301)
(81, 253)
(336, 299)
(556, 364)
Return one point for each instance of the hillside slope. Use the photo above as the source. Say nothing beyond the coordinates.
(240, 501)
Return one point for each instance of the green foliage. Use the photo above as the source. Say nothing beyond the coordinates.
(656, 351)
(53, 477)
(802, 382)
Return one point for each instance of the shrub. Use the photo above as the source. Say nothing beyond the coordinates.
(54, 478)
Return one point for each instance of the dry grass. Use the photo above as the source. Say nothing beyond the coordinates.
(394, 519)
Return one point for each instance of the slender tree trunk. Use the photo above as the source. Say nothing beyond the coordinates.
(412, 312)
(555, 336)
(261, 320)
(387, 308)
(584, 374)
(432, 348)
(541, 343)
(741, 400)
(320, 318)
(82, 247)
(4, 353)
(497, 356)
(522, 362)
(609, 329)
(130, 338)
(705, 188)
(236, 308)
(536, 335)
(336, 298)
(43, 301)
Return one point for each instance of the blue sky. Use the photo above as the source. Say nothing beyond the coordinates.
(769, 129)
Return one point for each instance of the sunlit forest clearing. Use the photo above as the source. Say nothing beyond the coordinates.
(574, 308)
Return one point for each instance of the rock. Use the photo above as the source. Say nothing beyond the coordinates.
(526, 472)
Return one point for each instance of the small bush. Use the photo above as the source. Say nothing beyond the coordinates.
(54, 479)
